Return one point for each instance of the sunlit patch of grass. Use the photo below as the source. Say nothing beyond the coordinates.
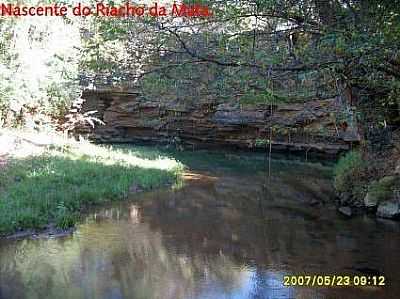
(109, 155)
(55, 186)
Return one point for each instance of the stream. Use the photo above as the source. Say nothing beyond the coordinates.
(233, 230)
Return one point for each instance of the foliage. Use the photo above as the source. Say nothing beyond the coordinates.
(349, 175)
(248, 51)
(383, 189)
(366, 42)
(266, 97)
(39, 71)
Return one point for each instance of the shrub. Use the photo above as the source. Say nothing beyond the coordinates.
(383, 189)
(349, 175)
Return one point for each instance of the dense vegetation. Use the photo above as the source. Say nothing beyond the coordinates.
(255, 51)
(59, 181)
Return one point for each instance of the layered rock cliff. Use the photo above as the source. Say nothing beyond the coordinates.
(129, 117)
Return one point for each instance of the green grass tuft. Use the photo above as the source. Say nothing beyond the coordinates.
(349, 175)
(383, 189)
(56, 185)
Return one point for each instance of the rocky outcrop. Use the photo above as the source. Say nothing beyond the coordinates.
(346, 211)
(130, 117)
(389, 209)
(397, 170)
(370, 201)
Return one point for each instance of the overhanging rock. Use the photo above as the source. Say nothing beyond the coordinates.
(129, 117)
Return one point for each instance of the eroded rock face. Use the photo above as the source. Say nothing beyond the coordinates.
(129, 117)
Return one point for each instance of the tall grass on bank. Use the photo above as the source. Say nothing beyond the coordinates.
(349, 175)
(56, 185)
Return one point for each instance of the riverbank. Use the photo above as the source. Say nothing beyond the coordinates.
(224, 222)
(369, 181)
(47, 180)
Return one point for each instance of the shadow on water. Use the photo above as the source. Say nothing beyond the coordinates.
(227, 233)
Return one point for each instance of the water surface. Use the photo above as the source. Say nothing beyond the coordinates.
(232, 231)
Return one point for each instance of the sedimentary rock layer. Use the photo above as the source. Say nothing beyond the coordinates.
(129, 117)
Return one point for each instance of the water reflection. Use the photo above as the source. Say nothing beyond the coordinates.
(225, 234)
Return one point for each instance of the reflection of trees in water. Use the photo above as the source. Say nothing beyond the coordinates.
(158, 271)
(122, 259)
(225, 214)
(170, 245)
(8, 275)
(208, 239)
(36, 268)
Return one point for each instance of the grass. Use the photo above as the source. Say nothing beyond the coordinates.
(349, 175)
(55, 185)
(382, 189)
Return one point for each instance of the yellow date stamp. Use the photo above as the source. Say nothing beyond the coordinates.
(333, 281)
